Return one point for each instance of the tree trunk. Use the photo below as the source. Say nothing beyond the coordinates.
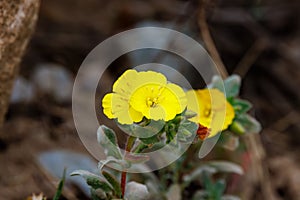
(17, 20)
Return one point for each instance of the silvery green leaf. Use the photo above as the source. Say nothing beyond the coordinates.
(217, 83)
(108, 140)
(117, 163)
(219, 188)
(174, 192)
(200, 195)
(146, 131)
(113, 182)
(250, 124)
(98, 194)
(240, 106)
(187, 130)
(229, 141)
(189, 114)
(197, 173)
(136, 191)
(225, 166)
(93, 180)
(232, 86)
(237, 128)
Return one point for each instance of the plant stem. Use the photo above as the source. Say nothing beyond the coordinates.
(129, 144)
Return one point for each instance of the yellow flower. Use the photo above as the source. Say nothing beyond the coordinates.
(143, 94)
(214, 111)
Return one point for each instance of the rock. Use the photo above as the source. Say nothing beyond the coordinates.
(17, 21)
(54, 162)
(136, 191)
(54, 80)
(23, 91)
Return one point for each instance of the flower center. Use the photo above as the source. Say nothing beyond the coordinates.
(152, 102)
(207, 112)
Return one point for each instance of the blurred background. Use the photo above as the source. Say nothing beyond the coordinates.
(257, 39)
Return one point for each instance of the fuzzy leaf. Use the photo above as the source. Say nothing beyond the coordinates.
(232, 86)
(113, 181)
(200, 195)
(225, 166)
(118, 164)
(98, 194)
(250, 124)
(189, 114)
(219, 188)
(187, 130)
(108, 140)
(150, 130)
(229, 141)
(217, 83)
(198, 172)
(93, 180)
(240, 106)
(150, 140)
(237, 128)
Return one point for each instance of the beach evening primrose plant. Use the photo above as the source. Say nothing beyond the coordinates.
(155, 113)
(143, 94)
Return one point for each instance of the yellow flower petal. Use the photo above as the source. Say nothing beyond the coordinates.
(125, 83)
(143, 94)
(151, 77)
(107, 105)
(214, 112)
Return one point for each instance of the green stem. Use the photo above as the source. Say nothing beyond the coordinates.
(129, 144)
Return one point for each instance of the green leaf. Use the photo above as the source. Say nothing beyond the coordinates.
(225, 166)
(197, 173)
(151, 129)
(97, 184)
(201, 195)
(117, 163)
(207, 182)
(187, 130)
(232, 86)
(170, 132)
(241, 106)
(93, 180)
(237, 127)
(229, 141)
(250, 124)
(219, 189)
(150, 140)
(217, 83)
(189, 114)
(98, 194)
(113, 181)
(108, 140)
(60, 186)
